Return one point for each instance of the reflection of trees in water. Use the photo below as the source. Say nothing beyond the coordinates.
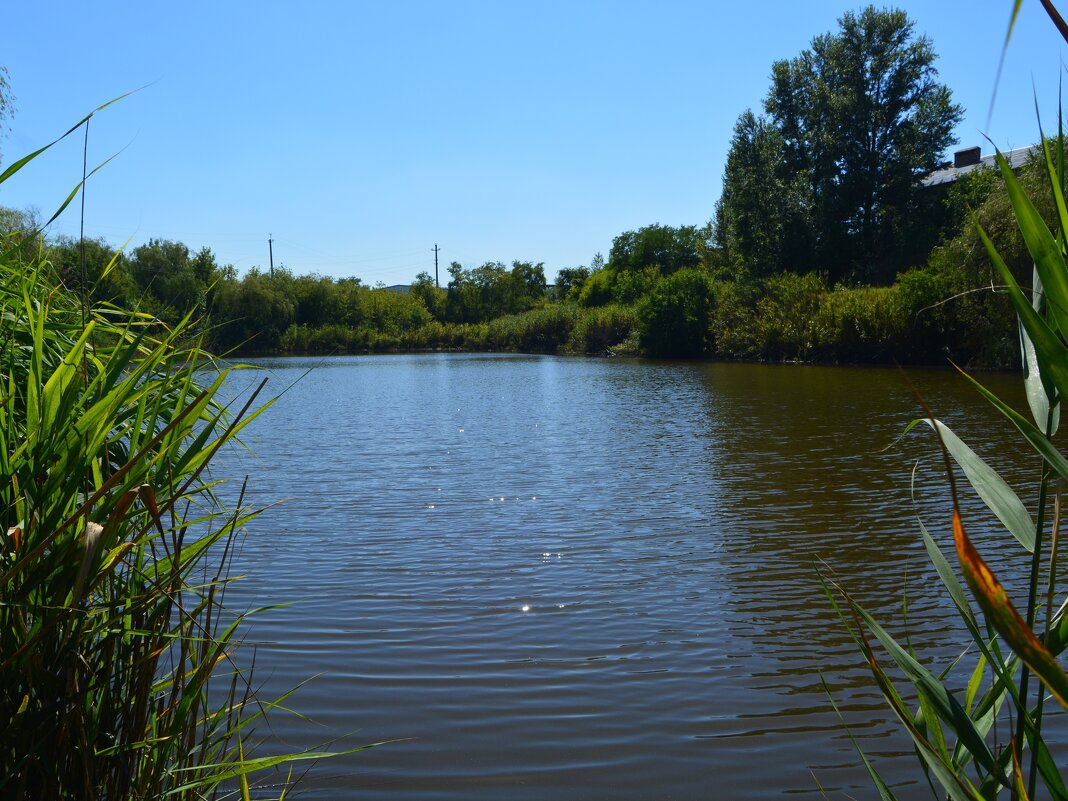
(804, 482)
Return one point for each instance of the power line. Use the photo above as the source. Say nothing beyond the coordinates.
(436, 282)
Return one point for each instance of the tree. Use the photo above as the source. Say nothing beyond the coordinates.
(20, 234)
(105, 278)
(661, 246)
(492, 290)
(253, 312)
(862, 118)
(761, 225)
(569, 281)
(172, 281)
(426, 289)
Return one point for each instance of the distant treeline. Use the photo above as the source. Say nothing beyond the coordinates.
(664, 292)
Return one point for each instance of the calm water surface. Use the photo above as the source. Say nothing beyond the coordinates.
(560, 578)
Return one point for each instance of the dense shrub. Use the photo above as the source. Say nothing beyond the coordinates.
(607, 329)
(674, 317)
(597, 290)
(542, 330)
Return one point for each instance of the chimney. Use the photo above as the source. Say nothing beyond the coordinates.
(966, 157)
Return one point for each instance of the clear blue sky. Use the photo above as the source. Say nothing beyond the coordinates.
(361, 133)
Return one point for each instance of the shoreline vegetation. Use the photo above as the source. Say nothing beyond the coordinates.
(664, 292)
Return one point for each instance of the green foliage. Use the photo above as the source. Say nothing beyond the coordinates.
(798, 318)
(113, 558)
(171, 281)
(787, 315)
(605, 330)
(542, 330)
(431, 296)
(390, 313)
(20, 235)
(252, 313)
(630, 286)
(106, 277)
(118, 677)
(969, 191)
(761, 223)
(597, 289)
(638, 260)
(569, 282)
(831, 179)
(675, 315)
(492, 290)
(658, 246)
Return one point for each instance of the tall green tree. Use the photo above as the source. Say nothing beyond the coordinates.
(761, 225)
(433, 297)
(94, 269)
(660, 246)
(569, 281)
(492, 290)
(674, 316)
(862, 117)
(171, 280)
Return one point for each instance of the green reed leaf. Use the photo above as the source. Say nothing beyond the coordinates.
(941, 700)
(1049, 261)
(1050, 352)
(988, 485)
(954, 782)
(974, 683)
(1041, 394)
(1038, 440)
(881, 787)
(949, 580)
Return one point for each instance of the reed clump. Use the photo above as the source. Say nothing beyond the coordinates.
(118, 677)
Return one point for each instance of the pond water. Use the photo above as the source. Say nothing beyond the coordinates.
(576, 578)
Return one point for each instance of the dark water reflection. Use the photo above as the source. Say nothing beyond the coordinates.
(573, 578)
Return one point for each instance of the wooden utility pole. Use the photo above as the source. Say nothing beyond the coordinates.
(437, 283)
(270, 248)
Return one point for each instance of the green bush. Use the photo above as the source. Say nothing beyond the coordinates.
(112, 632)
(733, 326)
(542, 330)
(603, 330)
(597, 290)
(862, 324)
(674, 317)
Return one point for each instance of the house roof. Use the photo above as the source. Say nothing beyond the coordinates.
(1016, 159)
